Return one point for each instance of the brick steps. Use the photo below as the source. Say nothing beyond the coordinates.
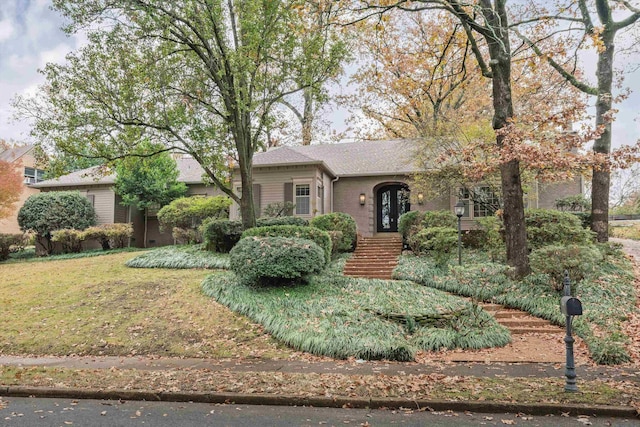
(519, 322)
(374, 258)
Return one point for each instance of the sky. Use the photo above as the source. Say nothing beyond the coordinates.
(30, 36)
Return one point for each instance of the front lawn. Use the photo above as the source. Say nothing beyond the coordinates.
(345, 317)
(97, 306)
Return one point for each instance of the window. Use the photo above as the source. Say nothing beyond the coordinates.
(485, 202)
(303, 199)
(32, 175)
(478, 202)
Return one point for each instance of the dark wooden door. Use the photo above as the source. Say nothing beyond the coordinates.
(392, 201)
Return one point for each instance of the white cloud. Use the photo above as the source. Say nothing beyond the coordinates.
(6, 30)
(57, 54)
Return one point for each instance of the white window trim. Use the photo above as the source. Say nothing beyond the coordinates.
(312, 191)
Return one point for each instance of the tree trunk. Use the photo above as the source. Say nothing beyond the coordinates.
(146, 215)
(245, 164)
(512, 194)
(601, 177)
(307, 117)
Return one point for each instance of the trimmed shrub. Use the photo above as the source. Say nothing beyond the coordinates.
(275, 260)
(549, 227)
(55, 210)
(110, 236)
(186, 236)
(575, 203)
(320, 237)
(585, 218)
(491, 236)
(439, 219)
(70, 239)
(410, 223)
(278, 209)
(7, 241)
(220, 235)
(339, 221)
(440, 242)
(282, 220)
(188, 213)
(579, 261)
(336, 239)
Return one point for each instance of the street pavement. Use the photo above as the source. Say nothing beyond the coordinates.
(42, 412)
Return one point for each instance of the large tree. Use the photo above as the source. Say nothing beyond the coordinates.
(488, 23)
(200, 76)
(10, 187)
(597, 23)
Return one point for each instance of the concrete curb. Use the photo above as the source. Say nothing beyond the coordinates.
(322, 401)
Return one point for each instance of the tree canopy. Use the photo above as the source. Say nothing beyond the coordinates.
(198, 76)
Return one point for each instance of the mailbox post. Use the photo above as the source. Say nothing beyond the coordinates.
(570, 306)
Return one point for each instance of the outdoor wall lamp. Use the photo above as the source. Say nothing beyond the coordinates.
(420, 198)
(363, 199)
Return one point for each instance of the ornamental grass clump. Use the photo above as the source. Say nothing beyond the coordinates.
(187, 256)
(341, 317)
(320, 237)
(607, 293)
(275, 260)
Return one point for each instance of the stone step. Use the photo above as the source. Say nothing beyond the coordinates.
(531, 330)
(510, 314)
(371, 276)
(367, 271)
(523, 322)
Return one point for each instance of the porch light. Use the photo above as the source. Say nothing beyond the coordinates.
(420, 198)
(363, 199)
(458, 208)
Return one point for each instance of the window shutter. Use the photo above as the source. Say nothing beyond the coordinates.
(288, 194)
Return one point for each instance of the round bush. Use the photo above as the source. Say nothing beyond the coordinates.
(281, 220)
(275, 260)
(579, 261)
(339, 221)
(439, 219)
(409, 224)
(220, 235)
(43, 213)
(439, 241)
(548, 227)
(189, 212)
(320, 237)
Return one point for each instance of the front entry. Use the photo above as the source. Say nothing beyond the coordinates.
(392, 201)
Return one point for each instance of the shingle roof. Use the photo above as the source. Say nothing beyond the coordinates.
(362, 158)
(12, 154)
(190, 173)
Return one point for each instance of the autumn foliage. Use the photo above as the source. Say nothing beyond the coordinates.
(10, 187)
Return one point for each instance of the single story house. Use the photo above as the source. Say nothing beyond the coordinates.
(98, 188)
(370, 180)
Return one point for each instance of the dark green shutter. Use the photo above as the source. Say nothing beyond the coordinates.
(288, 194)
(256, 199)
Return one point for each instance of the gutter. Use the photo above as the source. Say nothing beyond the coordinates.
(332, 193)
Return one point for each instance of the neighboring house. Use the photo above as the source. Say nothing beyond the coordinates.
(98, 188)
(24, 160)
(370, 180)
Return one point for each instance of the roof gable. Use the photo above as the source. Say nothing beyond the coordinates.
(12, 154)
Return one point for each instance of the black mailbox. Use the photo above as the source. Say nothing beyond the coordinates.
(571, 306)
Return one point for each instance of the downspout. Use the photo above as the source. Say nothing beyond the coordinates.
(332, 193)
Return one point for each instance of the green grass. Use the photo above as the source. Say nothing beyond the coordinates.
(97, 306)
(29, 255)
(607, 296)
(187, 256)
(344, 317)
(625, 232)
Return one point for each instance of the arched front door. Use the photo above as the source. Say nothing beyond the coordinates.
(391, 202)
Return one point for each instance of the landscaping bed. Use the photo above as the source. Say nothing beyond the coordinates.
(186, 256)
(342, 317)
(608, 295)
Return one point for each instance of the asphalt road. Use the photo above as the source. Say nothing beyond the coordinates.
(37, 412)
